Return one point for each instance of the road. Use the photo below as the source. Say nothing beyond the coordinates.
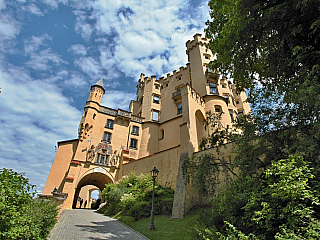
(88, 224)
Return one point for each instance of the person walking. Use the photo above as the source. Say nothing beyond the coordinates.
(85, 204)
(81, 201)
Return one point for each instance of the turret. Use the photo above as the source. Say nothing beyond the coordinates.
(91, 110)
(97, 91)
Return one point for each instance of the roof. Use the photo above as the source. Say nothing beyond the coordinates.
(99, 83)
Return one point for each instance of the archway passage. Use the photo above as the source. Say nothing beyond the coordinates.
(96, 179)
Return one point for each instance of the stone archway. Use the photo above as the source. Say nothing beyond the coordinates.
(95, 178)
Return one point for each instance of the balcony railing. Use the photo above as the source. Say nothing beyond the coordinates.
(176, 95)
(212, 74)
(121, 113)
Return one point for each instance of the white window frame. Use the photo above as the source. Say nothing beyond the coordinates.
(155, 115)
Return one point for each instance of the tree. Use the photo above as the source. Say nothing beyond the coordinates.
(21, 216)
(271, 48)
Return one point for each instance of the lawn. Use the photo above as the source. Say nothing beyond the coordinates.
(166, 228)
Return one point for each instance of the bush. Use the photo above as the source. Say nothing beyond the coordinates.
(132, 196)
(279, 206)
(21, 216)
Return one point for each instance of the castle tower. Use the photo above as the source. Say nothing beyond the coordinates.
(97, 91)
(90, 111)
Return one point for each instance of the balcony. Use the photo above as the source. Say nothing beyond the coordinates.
(176, 95)
(212, 75)
(121, 114)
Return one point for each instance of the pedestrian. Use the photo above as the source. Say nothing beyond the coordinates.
(85, 204)
(81, 201)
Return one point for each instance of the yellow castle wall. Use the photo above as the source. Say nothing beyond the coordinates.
(166, 162)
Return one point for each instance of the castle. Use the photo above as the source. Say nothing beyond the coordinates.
(162, 127)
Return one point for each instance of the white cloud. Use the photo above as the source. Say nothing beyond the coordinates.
(78, 49)
(34, 43)
(117, 99)
(143, 31)
(9, 29)
(34, 116)
(44, 60)
(33, 9)
(2, 4)
(76, 80)
(83, 27)
(54, 3)
(89, 66)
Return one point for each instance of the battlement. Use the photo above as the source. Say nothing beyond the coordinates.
(197, 40)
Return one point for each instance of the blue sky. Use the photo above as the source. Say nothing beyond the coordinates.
(52, 51)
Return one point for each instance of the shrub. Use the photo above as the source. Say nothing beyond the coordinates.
(21, 216)
(132, 196)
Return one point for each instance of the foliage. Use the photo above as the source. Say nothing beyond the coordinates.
(21, 216)
(279, 206)
(271, 48)
(274, 44)
(132, 196)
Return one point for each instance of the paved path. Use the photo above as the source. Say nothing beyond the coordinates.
(88, 224)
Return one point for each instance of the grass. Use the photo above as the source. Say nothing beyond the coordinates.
(166, 228)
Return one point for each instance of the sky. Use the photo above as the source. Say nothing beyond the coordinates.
(52, 51)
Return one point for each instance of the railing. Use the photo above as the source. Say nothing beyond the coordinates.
(120, 112)
(108, 111)
(212, 74)
(124, 113)
(176, 94)
(136, 118)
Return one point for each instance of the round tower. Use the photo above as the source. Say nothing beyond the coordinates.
(96, 92)
(91, 110)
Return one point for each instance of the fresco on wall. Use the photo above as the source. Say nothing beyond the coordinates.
(104, 146)
(133, 154)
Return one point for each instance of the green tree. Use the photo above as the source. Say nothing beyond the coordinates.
(21, 216)
(271, 48)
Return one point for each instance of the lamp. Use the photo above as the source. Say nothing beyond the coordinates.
(154, 174)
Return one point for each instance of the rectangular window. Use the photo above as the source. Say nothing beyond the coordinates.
(133, 143)
(155, 115)
(135, 130)
(109, 124)
(102, 158)
(227, 99)
(179, 108)
(213, 88)
(106, 137)
(240, 112)
(231, 115)
(156, 99)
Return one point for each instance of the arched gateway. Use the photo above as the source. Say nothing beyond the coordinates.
(97, 177)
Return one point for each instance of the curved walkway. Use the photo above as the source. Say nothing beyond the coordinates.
(88, 224)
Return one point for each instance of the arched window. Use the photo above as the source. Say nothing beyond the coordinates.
(161, 134)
